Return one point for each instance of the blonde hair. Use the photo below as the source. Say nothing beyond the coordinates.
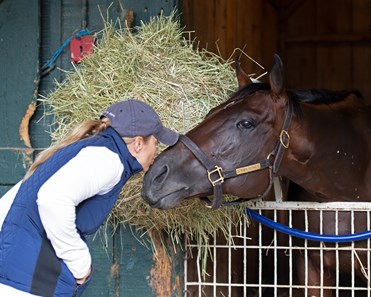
(81, 131)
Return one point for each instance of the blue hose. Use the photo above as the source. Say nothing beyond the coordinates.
(306, 235)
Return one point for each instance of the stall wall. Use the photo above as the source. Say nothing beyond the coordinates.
(324, 44)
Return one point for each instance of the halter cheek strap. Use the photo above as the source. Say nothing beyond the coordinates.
(214, 172)
(217, 175)
(284, 140)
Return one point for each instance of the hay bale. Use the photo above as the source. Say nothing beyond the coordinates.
(158, 65)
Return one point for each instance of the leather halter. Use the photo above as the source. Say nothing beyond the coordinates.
(217, 175)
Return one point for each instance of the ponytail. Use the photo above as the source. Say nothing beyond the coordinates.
(81, 131)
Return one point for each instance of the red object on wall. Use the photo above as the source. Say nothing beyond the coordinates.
(81, 47)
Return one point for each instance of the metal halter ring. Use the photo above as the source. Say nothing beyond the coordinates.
(283, 134)
(219, 171)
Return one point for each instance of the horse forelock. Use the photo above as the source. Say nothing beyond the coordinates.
(242, 93)
(250, 89)
(239, 96)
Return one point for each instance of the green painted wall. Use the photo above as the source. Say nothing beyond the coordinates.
(122, 264)
(19, 52)
(30, 32)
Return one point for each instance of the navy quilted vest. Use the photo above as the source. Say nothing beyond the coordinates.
(27, 259)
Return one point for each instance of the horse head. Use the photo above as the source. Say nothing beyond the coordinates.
(238, 140)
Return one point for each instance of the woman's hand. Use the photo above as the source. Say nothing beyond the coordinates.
(82, 280)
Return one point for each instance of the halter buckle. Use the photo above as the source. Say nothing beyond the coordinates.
(219, 171)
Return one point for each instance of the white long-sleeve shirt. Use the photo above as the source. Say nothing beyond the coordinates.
(93, 171)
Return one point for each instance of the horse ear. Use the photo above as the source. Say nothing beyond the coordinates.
(276, 77)
(242, 77)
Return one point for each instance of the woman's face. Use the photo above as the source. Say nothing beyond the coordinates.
(144, 150)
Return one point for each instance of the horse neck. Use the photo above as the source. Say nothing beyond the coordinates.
(328, 156)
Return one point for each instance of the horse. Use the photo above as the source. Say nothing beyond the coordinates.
(318, 139)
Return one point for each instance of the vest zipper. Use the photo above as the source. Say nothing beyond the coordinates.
(76, 291)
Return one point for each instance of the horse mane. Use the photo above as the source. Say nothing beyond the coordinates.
(310, 96)
(321, 96)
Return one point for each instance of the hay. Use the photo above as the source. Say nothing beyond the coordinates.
(158, 65)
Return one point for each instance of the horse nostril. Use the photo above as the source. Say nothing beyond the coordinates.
(161, 177)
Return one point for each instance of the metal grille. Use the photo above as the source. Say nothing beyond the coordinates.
(264, 262)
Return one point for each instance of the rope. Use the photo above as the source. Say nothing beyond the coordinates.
(50, 64)
(306, 235)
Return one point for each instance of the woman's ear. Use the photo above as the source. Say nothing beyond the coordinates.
(138, 143)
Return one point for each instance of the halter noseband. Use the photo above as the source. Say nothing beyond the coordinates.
(217, 175)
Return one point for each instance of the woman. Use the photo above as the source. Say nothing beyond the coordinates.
(66, 194)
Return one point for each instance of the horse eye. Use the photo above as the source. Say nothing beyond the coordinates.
(245, 124)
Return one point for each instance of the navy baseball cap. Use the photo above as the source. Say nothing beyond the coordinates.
(132, 118)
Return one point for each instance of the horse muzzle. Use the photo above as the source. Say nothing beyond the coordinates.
(168, 201)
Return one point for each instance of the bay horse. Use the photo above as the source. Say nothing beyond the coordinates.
(318, 139)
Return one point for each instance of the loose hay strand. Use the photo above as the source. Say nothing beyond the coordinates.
(156, 64)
